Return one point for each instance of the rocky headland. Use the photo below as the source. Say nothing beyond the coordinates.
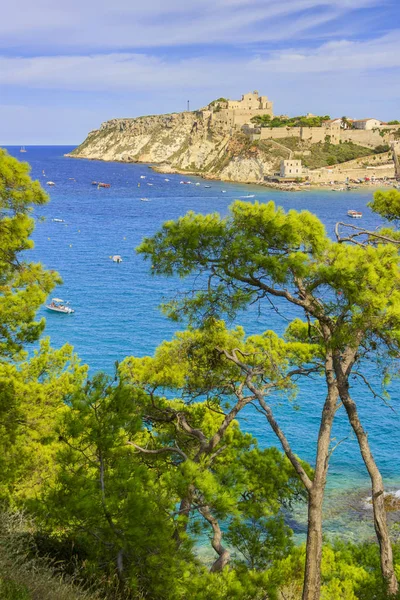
(182, 143)
(209, 143)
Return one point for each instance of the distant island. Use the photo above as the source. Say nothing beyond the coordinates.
(243, 141)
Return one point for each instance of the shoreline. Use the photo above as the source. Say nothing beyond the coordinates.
(168, 170)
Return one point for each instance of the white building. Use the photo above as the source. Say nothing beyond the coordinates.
(366, 123)
(291, 168)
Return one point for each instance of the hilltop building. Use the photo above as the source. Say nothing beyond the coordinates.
(236, 113)
(366, 124)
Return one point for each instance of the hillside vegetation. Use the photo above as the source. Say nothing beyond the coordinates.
(325, 154)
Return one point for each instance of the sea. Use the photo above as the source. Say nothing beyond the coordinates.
(117, 310)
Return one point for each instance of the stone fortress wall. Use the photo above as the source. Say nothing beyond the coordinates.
(314, 135)
(309, 134)
(237, 114)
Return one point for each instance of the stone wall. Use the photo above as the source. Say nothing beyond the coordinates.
(276, 133)
(238, 117)
(313, 135)
(341, 174)
(362, 137)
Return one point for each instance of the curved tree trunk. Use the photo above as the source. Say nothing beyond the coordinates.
(380, 520)
(223, 554)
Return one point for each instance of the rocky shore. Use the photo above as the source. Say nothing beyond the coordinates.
(193, 145)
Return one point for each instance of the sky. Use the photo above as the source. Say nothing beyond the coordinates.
(65, 67)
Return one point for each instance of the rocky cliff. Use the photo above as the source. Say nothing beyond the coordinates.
(183, 142)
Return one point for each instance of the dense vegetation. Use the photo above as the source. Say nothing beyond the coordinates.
(300, 121)
(325, 154)
(109, 486)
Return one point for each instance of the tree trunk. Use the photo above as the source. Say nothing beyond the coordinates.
(184, 511)
(312, 571)
(316, 487)
(223, 554)
(379, 510)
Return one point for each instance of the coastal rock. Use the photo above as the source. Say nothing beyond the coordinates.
(182, 142)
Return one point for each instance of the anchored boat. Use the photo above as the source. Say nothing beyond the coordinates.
(59, 306)
(354, 214)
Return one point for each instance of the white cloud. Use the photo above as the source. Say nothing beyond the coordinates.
(144, 72)
(154, 23)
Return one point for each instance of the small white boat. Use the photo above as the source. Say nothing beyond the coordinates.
(22, 149)
(59, 306)
(117, 258)
(197, 184)
(166, 179)
(143, 177)
(207, 186)
(58, 220)
(223, 191)
(248, 196)
(144, 199)
(50, 183)
(354, 214)
(149, 184)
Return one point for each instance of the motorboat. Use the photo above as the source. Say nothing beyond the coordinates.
(58, 220)
(143, 177)
(248, 196)
(59, 306)
(144, 199)
(223, 191)
(117, 258)
(354, 214)
(166, 179)
(149, 184)
(103, 185)
(50, 183)
(207, 186)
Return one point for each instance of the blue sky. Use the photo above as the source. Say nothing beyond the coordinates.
(66, 67)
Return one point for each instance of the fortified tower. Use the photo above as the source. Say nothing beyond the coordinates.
(236, 113)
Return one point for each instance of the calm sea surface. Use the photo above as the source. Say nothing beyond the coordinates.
(116, 305)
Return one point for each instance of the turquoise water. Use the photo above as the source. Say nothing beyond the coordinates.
(117, 304)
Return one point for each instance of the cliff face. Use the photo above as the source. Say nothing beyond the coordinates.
(182, 142)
